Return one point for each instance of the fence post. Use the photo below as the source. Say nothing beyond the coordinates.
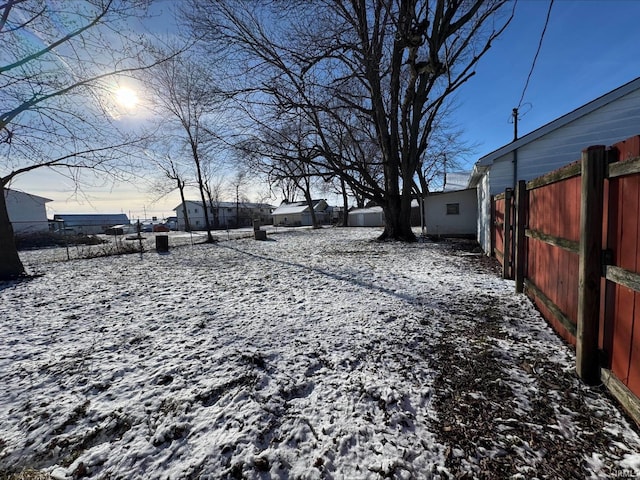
(590, 266)
(492, 227)
(506, 235)
(521, 220)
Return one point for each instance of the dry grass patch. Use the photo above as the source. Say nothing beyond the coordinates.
(26, 474)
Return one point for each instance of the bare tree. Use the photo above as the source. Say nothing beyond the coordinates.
(213, 187)
(445, 152)
(282, 150)
(174, 177)
(238, 182)
(187, 97)
(391, 65)
(56, 108)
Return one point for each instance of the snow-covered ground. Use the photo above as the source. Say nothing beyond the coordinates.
(316, 354)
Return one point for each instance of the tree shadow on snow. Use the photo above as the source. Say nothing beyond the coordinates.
(6, 284)
(327, 273)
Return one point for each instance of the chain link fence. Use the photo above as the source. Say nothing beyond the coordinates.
(41, 243)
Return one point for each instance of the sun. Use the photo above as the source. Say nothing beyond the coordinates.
(126, 97)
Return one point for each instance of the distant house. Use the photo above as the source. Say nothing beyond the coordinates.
(297, 214)
(337, 214)
(366, 217)
(223, 215)
(373, 216)
(606, 120)
(27, 212)
(451, 214)
(89, 224)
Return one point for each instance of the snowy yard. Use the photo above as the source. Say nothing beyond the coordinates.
(317, 354)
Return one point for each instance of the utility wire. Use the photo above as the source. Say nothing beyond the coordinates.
(533, 64)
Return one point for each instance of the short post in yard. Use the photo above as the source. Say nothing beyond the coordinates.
(590, 266)
(162, 243)
(258, 234)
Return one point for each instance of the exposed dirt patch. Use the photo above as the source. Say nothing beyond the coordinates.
(507, 409)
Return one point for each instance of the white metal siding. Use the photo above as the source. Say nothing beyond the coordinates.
(607, 125)
(501, 174)
(368, 217)
(484, 214)
(27, 213)
(439, 223)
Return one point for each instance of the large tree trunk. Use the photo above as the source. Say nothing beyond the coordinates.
(10, 265)
(397, 218)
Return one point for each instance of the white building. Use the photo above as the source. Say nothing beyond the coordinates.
(366, 217)
(27, 213)
(297, 214)
(89, 223)
(604, 121)
(223, 215)
(452, 214)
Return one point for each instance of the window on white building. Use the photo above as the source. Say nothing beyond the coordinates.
(453, 209)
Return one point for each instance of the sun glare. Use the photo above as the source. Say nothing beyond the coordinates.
(126, 97)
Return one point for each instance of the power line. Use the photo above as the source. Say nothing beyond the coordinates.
(533, 64)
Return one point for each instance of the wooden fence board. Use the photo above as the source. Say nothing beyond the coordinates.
(572, 212)
(551, 313)
(571, 170)
(498, 222)
(634, 360)
(568, 245)
(554, 271)
(553, 274)
(508, 234)
(628, 240)
(607, 321)
(629, 401)
(622, 332)
(571, 306)
(555, 209)
(622, 323)
(628, 167)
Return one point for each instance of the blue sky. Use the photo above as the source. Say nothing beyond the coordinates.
(590, 48)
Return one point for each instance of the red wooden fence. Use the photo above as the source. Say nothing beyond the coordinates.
(553, 236)
(555, 261)
(501, 231)
(620, 324)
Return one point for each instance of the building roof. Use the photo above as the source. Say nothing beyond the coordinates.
(38, 198)
(299, 207)
(374, 209)
(92, 218)
(456, 181)
(451, 192)
(228, 204)
(599, 102)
